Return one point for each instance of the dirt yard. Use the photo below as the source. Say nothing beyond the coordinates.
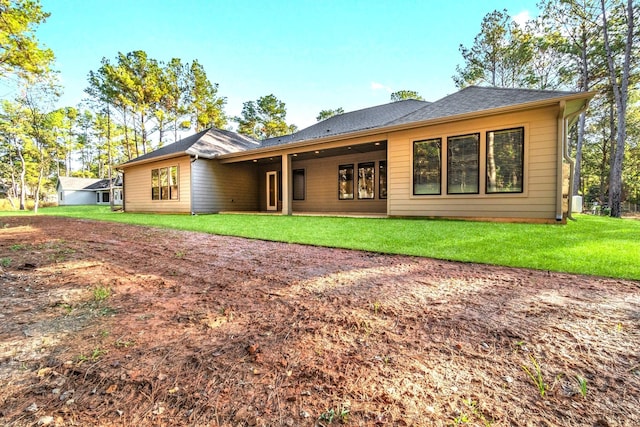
(112, 325)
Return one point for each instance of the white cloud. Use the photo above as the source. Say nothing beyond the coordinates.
(380, 86)
(522, 18)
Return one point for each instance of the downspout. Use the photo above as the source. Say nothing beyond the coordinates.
(560, 148)
(568, 122)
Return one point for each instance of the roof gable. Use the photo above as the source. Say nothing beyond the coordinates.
(72, 183)
(207, 144)
(68, 183)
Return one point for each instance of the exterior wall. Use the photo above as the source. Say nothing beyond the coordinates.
(117, 197)
(76, 197)
(321, 184)
(538, 199)
(223, 187)
(137, 188)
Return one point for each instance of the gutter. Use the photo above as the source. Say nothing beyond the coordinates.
(293, 147)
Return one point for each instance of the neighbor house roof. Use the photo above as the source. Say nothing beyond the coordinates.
(89, 184)
(207, 144)
(352, 121)
(73, 183)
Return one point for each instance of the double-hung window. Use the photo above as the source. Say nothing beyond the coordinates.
(463, 154)
(298, 184)
(382, 179)
(427, 166)
(345, 182)
(366, 180)
(505, 161)
(164, 183)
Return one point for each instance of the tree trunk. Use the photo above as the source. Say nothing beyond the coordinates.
(23, 181)
(620, 93)
(109, 159)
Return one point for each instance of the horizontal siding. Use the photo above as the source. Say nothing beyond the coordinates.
(321, 184)
(137, 188)
(77, 197)
(224, 187)
(538, 198)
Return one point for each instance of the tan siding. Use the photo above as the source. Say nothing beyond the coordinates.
(137, 188)
(538, 198)
(224, 187)
(321, 177)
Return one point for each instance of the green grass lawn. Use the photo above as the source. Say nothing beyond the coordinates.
(591, 245)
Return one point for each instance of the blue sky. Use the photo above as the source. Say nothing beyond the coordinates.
(313, 55)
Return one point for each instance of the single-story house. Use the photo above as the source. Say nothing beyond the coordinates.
(480, 153)
(87, 191)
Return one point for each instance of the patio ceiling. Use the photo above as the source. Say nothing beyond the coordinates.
(330, 152)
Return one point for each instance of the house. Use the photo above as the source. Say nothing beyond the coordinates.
(480, 153)
(87, 191)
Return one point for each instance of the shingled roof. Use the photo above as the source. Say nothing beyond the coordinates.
(91, 184)
(73, 183)
(352, 121)
(207, 144)
(474, 99)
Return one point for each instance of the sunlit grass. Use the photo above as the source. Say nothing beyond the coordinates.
(591, 245)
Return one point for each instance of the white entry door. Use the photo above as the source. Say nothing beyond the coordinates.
(272, 190)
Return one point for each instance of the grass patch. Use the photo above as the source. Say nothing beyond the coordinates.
(592, 245)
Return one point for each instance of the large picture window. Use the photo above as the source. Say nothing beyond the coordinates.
(505, 160)
(382, 179)
(366, 180)
(164, 183)
(427, 166)
(462, 164)
(345, 182)
(298, 184)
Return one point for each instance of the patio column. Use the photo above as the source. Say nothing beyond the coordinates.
(287, 185)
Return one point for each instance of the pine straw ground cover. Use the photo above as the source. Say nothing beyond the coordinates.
(105, 324)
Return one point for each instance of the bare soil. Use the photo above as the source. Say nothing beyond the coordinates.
(106, 324)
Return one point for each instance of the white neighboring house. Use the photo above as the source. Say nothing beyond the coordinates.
(87, 191)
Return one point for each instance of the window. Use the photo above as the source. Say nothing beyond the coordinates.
(105, 197)
(298, 184)
(97, 197)
(345, 182)
(366, 180)
(164, 183)
(427, 166)
(505, 161)
(382, 179)
(462, 164)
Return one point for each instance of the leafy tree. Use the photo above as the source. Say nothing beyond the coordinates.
(264, 118)
(40, 123)
(325, 114)
(13, 139)
(19, 49)
(499, 54)
(204, 104)
(175, 95)
(405, 94)
(577, 52)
